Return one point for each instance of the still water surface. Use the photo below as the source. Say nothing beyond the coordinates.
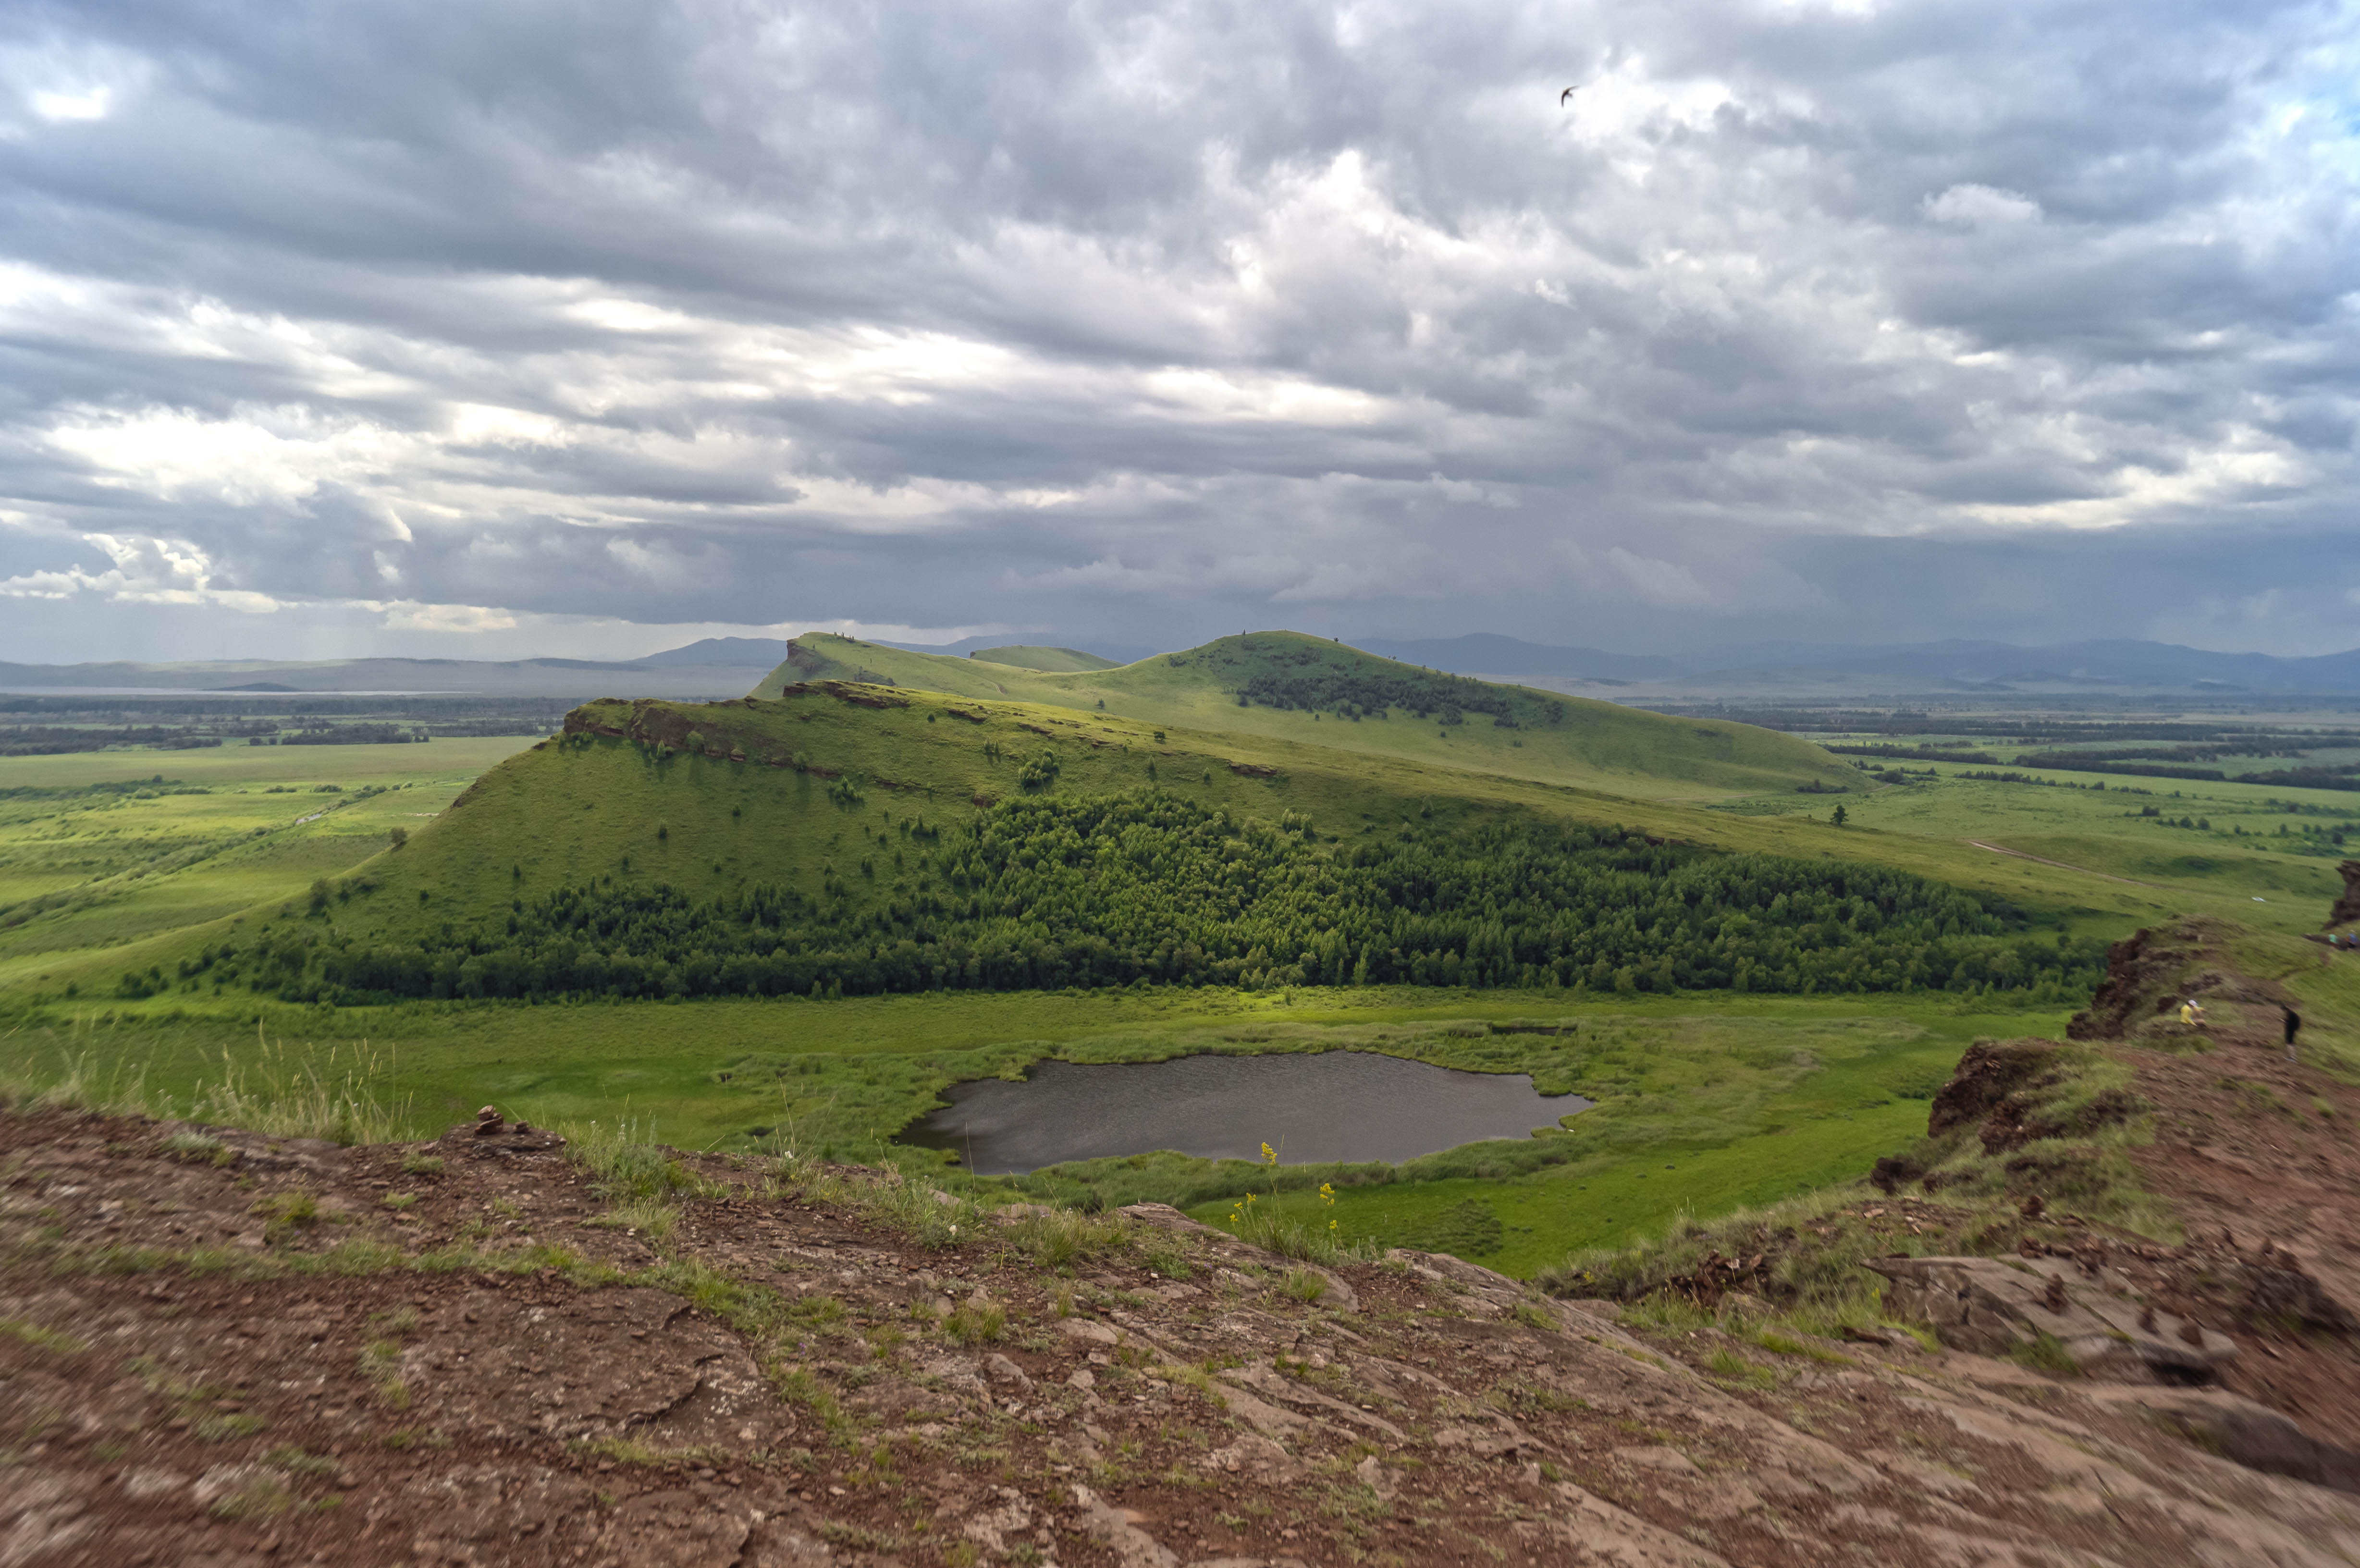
(1336, 1105)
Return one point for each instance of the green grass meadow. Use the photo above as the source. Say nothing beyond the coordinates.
(1753, 1098)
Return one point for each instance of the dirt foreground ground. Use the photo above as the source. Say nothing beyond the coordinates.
(263, 1353)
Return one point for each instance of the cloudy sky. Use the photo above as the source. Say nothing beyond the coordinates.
(498, 327)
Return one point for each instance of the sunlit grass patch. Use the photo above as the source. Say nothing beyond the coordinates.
(1731, 1368)
(380, 1364)
(197, 1146)
(645, 1216)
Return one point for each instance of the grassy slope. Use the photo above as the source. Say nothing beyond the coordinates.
(1050, 660)
(562, 814)
(1627, 751)
(556, 815)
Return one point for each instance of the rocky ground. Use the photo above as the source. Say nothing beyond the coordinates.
(222, 1349)
(2254, 1154)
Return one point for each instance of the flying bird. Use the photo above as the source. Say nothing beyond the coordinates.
(1566, 95)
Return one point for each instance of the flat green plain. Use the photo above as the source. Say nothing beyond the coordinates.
(196, 838)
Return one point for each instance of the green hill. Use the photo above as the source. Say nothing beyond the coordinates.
(859, 838)
(1285, 685)
(1050, 660)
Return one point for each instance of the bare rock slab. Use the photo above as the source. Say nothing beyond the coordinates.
(1992, 1306)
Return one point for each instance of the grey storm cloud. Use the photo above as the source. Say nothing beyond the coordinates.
(344, 327)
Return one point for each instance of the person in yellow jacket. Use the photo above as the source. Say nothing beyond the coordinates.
(2191, 1012)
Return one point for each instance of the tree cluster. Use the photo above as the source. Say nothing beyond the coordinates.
(1353, 693)
(1146, 888)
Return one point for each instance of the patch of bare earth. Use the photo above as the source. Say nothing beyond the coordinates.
(248, 1358)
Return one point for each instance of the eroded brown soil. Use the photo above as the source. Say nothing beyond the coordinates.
(184, 1381)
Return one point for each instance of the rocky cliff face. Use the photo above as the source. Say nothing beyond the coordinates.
(220, 1348)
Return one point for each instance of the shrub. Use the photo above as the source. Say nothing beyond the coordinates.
(1054, 1240)
(1305, 1285)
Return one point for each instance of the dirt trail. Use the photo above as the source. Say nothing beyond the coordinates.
(2102, 876)
(257, 1361)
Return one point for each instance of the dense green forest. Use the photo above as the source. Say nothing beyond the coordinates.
(1311, 677)
(1148, 887)
(1352, 693)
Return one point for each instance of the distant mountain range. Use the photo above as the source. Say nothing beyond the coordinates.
(571, 678)
(731, 666)
(768, 652)
(1956, 665)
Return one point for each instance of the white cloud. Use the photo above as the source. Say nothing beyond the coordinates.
(146, 572)
(85, 103)
(401, 616)
(1980, 206)
(266, 457)
(62, 79)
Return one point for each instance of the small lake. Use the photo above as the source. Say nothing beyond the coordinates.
(1332, 1105)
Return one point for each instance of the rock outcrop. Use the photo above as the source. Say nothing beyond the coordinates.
(1997, 1306)
(2347, 903)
